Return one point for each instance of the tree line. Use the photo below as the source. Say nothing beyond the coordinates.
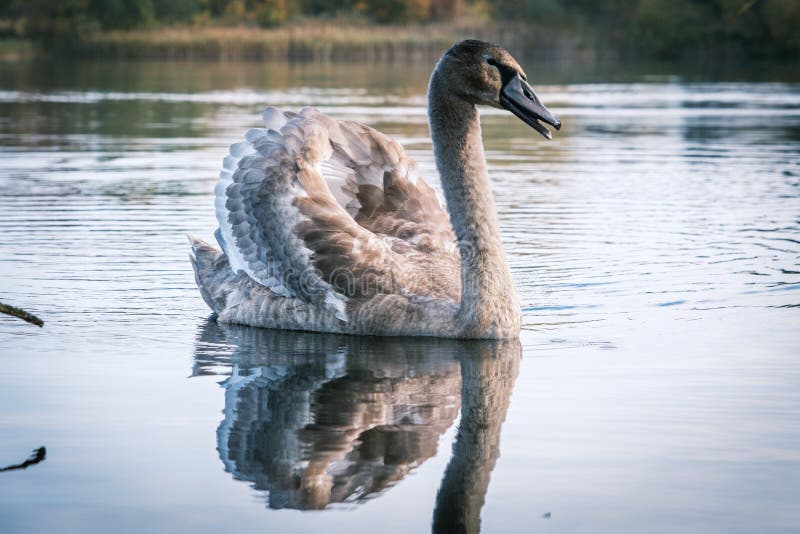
(651, 27)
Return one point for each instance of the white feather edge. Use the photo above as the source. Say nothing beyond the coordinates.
(229, 165)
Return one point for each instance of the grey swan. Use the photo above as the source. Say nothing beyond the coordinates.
(326, 226)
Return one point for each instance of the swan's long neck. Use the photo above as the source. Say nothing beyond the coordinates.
(489, 302)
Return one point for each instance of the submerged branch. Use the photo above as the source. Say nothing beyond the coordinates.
(37, 456)
(22, 314)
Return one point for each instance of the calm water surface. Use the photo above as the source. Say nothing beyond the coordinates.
(655, 388)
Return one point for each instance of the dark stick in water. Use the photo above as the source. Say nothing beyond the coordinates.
(37, 456)
(22, 314)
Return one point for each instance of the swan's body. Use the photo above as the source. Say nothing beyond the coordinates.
(326, 226)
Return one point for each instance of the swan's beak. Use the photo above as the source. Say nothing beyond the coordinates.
(518, 98)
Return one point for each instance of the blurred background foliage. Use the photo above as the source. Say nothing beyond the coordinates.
(656, 28)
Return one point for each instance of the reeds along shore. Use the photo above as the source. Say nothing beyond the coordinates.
(314, 43)
(355, 42)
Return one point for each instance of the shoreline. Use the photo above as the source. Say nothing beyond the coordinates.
(353, 42)
(314, 42)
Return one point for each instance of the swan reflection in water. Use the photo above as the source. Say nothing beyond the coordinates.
(317, 419)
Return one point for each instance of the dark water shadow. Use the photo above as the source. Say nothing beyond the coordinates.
(315, 419)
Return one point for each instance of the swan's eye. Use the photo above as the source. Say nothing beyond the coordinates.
(505, 70)
(506, 73)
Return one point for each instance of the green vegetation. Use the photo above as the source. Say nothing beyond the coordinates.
(352, 28)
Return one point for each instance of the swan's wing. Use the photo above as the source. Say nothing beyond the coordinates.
(326, 210)
(378, 184)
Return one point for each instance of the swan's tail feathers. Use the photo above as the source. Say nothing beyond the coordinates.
(211, 271)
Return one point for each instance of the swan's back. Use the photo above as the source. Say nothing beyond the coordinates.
(329, 222)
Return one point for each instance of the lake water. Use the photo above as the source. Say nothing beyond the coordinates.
(655, 388)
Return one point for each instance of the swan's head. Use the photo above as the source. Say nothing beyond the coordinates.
(484, 73)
